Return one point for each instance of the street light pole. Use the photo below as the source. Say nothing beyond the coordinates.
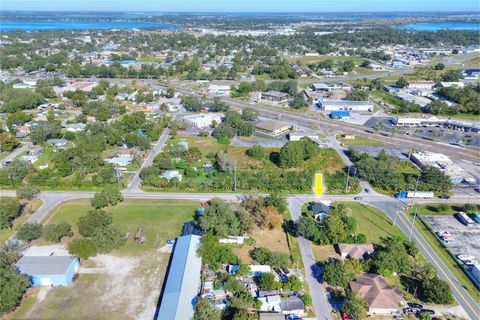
(396, 213)
(413, 223)
(348, 176)
(415, 191)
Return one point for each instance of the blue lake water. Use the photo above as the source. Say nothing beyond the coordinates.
(442, 26)
(79, 25)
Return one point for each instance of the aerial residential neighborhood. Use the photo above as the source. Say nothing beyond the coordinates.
(232, 160)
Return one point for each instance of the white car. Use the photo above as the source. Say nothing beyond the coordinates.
(464, 257)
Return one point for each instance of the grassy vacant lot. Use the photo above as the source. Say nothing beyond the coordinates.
(293, 180)
(28, 207)
(359, 141)
(304, 60)
(125, 284)
(439, 249)
(370, 221)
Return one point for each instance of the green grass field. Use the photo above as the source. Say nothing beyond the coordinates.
(359, 141)
(440, 249)
(161, 220)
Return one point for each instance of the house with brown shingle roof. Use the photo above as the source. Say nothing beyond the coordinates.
(381, 298)
(354, 251)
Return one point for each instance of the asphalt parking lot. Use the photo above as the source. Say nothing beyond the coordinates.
(467, 239)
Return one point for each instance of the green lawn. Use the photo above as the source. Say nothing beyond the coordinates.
(435, 209)
(161, 220)
(359, 141)
(440, 250)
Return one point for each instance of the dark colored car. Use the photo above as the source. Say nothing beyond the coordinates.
(415, 305)
(367, 190)
(444, 197)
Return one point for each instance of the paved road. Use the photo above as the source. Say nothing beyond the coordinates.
(313, 272)
(15, 153)
(470, 306)
(134, 184)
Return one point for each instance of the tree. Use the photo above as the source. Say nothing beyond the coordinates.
(268, 217)
(298, 101)
(266, 281)
(348, 66)
(82, 248)
(214, 254)
(204, 310)
(55, 232)
(357, 95)
(108, 196)
(307, 299)
(402, 82)
(439, 66)
(29, 231)
(10, 252)
(365, 64)
(27, 192)
(249, 114)
(224, 162)
(219, 219)
(391, 257)
(93, 220)
(436, 291)
(293, 283)
(266, 256)
(278, 201)
(12, 287)
(8, 142)
(355, 306)
(256, 152)
(292, 154)
(307, 227)
(338, 273)
(9, 210)
(451, 75)
(433, 179)
(107, 239)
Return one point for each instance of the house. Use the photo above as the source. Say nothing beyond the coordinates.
(272, 127)
(354, 251)
(121, 162)
(471, 73)
(338, 105)
(22, 131)
(320, 210)
(170, 174)
(270, 303)
(75, 127)
(381, 298)
(258, 269)
(421, 84)
(275, 96)
(57, 142)
(320, 87)
(183, 280)
(219, 90)
(292, 305)
(202, 120)
(49, 270)
(32, 158)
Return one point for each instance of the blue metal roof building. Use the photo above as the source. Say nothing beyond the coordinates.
(183, 282)
(339, 114)
(49, 270)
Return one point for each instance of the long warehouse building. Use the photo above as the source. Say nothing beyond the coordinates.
(183, 281)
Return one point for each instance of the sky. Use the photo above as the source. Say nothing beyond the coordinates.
(244, 5)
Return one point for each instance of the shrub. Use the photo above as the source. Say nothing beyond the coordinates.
(12, 288)
(93, 220)
(107, 239)
(55, 232)
(82, 248)
(29, 231)
(256, 152)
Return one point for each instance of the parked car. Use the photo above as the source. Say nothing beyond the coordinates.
(415, 305)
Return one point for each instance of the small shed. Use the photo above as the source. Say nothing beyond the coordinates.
(49, 270)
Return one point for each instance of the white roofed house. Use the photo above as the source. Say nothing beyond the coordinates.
(75, 127)
(219, 90)
(171, 174)
(120, 162)
(421, 84)
(202, 120)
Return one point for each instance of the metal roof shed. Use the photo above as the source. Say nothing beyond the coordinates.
(183, 281)
(49, 270)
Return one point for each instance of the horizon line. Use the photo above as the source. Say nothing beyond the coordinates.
(275, 12)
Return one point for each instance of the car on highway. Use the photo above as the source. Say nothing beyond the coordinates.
(358, 198)
(444, 197)
(367, 190)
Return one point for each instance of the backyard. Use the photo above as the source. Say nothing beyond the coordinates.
(128, 281)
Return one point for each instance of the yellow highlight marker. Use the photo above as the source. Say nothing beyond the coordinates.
(318, 187)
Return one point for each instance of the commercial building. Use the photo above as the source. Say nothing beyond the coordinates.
(381, 298)
(49, 270)
(425, 85)
(183, 281)
(421, 101)
(320, 87)
(202, 120)
(275, 96)
(272, 127)
(442, 162)
(219, 90)
(471, 73)
(338, 105)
